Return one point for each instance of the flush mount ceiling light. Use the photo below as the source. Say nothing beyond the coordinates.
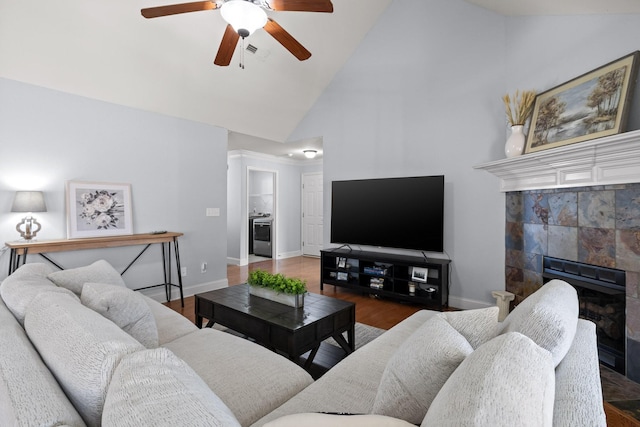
(245, 17)
(310, 154)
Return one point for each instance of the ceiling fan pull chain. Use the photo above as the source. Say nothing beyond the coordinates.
(242, 54)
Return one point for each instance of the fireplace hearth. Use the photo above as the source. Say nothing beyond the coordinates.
(601, 296)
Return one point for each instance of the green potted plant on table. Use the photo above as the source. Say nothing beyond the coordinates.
(277, 288)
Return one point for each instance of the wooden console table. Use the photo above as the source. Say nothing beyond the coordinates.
(20, 249)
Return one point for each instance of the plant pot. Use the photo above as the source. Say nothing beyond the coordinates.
(291, 300)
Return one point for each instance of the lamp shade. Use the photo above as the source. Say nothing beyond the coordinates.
(29, 201)
(243, 15)
(310, 154)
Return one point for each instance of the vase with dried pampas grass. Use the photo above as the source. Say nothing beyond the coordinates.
(518, 110)
(519, 107)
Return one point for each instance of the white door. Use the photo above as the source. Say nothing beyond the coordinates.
(312, 220)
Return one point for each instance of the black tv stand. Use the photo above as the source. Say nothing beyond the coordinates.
(387, 275)
(340, 247)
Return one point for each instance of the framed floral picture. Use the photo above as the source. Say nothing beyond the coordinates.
(591, 106)
(98, 209)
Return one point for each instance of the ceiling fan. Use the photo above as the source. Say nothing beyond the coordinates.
(244, 17)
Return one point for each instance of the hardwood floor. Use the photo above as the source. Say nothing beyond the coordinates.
(369, 310)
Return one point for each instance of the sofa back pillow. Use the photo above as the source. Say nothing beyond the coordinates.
(156, 388)
(416, 372)
(549, 317)
(28, 281)
(33, 270)
(477, 326)
(124, 307)
(75, 278)
(29, 394)
(80, 347)
(508, 381)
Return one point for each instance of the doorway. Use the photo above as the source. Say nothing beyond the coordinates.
(312, 214)
(261, 214)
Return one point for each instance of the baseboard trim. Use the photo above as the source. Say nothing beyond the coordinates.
(289, 254)
(467, 304)
(159, 295)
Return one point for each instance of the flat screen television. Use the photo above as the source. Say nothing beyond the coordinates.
(405, 213)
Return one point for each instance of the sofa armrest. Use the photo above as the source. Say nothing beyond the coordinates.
(578, 388)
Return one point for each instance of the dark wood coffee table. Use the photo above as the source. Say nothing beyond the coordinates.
(279, 327)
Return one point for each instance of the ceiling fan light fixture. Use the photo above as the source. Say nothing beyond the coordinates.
(244, 16)
(310, 154)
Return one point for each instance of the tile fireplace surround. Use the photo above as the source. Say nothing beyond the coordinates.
(581, 203)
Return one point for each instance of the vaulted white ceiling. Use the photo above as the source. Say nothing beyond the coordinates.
(106, 50)
(559, 7)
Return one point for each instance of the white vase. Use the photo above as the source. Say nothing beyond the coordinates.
(515, 143)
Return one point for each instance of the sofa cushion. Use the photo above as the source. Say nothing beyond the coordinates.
(549, 317)
(171, 325)
(98, 272)
(124, 307)
(156, 388)
(351, 385)
(251, 380)
(417, 371)
(508, 381)
(29, 394)
(80, 347)
(336, 420)
(24, 284)
(477, 326)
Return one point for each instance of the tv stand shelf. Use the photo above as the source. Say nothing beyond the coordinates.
(386, 275)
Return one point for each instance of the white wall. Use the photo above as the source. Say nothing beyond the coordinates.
(176, 168)
(421, 95)
(546, 51)
(236, 205)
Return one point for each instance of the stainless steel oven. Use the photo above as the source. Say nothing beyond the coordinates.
(262, 237)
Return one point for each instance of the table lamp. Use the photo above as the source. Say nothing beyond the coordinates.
(28, 201)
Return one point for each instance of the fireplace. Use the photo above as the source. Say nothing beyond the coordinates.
(601, 297)
(596, 227)
(580, 202)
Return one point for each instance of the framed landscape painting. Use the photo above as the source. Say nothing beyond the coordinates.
(96, 209)
(591, 106)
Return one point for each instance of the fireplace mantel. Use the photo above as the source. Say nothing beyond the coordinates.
(603, 161)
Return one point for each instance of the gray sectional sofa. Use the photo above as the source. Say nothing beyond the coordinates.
(79, 348)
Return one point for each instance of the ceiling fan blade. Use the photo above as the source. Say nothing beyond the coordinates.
(174, 9)
(286, 40)
(227, 47)
(302, 5)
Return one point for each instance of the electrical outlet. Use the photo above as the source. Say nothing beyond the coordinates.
(183, 271)
(203, 268)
